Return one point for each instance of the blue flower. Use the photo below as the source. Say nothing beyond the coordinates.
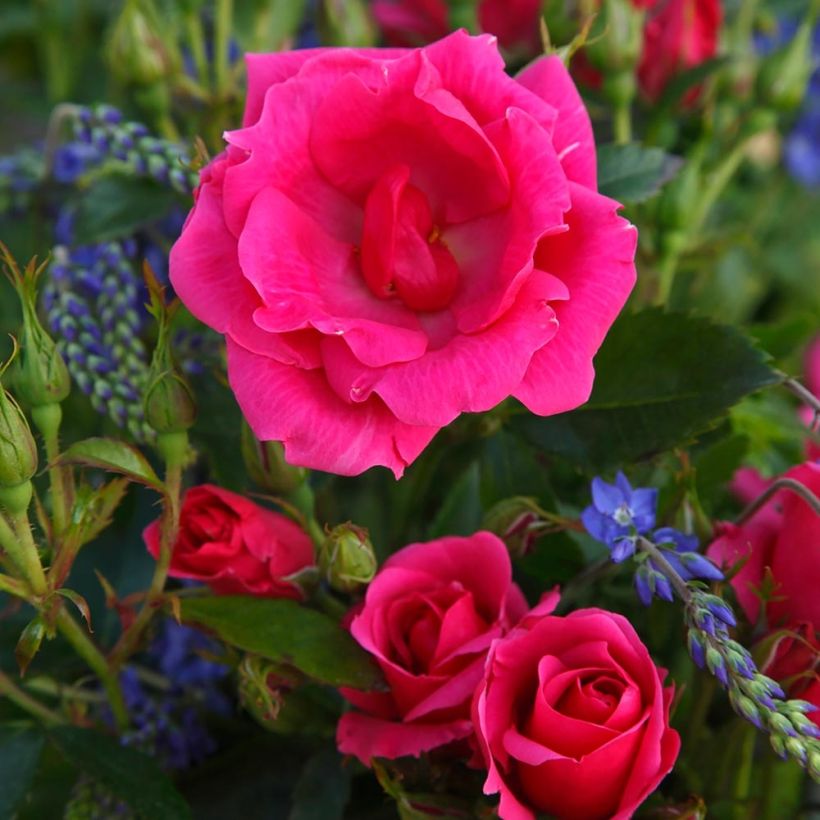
(618, 514)
(685, 559)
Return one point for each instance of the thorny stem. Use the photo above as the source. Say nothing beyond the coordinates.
(780, 484)
(168, 536)
(803, 392)
(25, 554)
(48, 418)
(25, 701)
(86, 649)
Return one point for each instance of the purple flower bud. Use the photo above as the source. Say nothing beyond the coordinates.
(642, 587)
(696, 649)
(721, 611)
(699, 566)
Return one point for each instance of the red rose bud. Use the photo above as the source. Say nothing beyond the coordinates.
(235, 546)
(347, 559)
(266, 465)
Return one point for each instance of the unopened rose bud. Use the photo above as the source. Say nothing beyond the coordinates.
(266, 465)
(18, 455)
(784, 76)
(138, 52)
(512, 520)
(347, 559)
(263, 687)
(617, 52)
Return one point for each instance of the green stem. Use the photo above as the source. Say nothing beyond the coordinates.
(55, 689)
(86, 649)
(622, 123)
(25, 554)
(775, 487)
(222, 33)
(26, 702)
(196, 42)
(745, 769)
(168, 535)
(47, 418)
(12, 586)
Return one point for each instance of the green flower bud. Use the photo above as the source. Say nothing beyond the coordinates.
(168, 400)
(347, 23)
(41, 375)
(784, 76)
(813, 763)
(618, 50)
(266, 465)
(778, 745)
(347, 559)
(137, 49)
(18, 452)
(796, 748)
(511, 520)
(780, 724)
(263, 686)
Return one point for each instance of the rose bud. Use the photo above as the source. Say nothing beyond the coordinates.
(266, 465)
(347, 559)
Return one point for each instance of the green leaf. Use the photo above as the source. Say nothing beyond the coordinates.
(114, 456)
(460, 512)
(287, 632)
(631, 173)
(118, 205)
(662, 378)
(322, 791)
(20, 751)
(131, 775)
(31, 639)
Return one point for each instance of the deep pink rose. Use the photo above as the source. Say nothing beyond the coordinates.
(678, 35)
(794, 661)
(234, 545)
(418, 22)
(783, 538)
(428, 618)
(573, 719)
(398, 237)
(812, 369)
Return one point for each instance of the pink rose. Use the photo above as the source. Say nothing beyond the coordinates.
(573, 719)
(417, 22)
(812, 368)
(794, 661)
(398, 237)
(428, 618)
(678, 35)
(234, 545)
(783, 538)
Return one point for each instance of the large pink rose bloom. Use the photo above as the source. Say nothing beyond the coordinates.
(397, 237)
(573, 719)
(429, 618)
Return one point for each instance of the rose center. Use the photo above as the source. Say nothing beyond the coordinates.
(403, 254)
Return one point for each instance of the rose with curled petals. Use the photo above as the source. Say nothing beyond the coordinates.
(396, 237)
(428, 619)
(572, 719)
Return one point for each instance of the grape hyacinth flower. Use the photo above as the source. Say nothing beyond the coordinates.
(618, 515)
(167, 722)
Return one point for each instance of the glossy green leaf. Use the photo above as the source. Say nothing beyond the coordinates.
(118, 205)
(130, 775)
(662, 378)
(631, 173)
(287, 632)
(113, 456)
(20, 751)
(460, 513)
(322, 791)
